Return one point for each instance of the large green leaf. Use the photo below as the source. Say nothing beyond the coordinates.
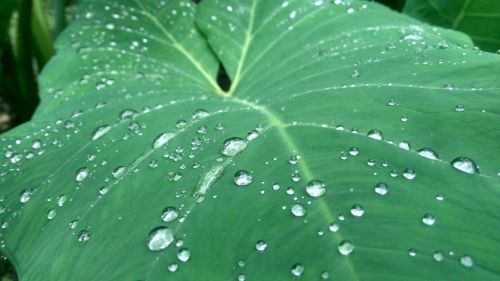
(134, 130)
(478, 18)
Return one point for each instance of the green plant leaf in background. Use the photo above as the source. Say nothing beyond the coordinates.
(480, 19)
(354, 143)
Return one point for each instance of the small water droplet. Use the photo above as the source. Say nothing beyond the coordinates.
(357, 210)
(172, 267)
(333, 227)
(242, 178)
(25, 195)
(84, 236)
(345, 248)
(233, 146)
(466, 261)
(51, 214)
(381, 188)
(169, 214)
(183, 255)
(428, 153)
(119, 171)
(298, 210)
(438, 256)
(375, 134)
(428, 219)
(200, 114)
(81, 174)
(315, 188)
(162, 139)
(297, 269)
(160, 238)
(412, 252)
(101, 131)
(261, 245)
(409, 174)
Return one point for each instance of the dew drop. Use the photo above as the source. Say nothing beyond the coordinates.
(298, 210)
(315, 188)
(297, 269)
(428, 153)
(160, 238)
(375, 134)
(169, 214)
(466, 261)
(26, 195)
(163, 139)
(242, 178)
(261, 245)
(81, 174)
(51, 214)
(412, 252)
(438, 256)
(101, 131)
(345, 248)
(183, 255)
(84, 236)
(381, 188)
(333, 227)
(428, 219)
(172, 267)
(119, 171)
(233, 146)
(409, 174)
(357, 210)
(465, 165)
(200, 114)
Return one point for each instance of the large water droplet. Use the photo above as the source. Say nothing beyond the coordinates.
(163, 139)
(81, 174)
(242, 178)
(315, 188)
(428, 153)
(169, 214)
(345, 248)
(160, 238)
(233, 146)
(465, 165)
(101, 131)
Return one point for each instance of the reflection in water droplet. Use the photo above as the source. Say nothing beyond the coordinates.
(242, 178)
(466, 261)
(298, 210)
(233, 146)
(81, 174)
(315, 188)
(183, 255)
(169, 214)
(163, 139)
(345, 248)
(297, 269)
(261, 245)
(160, 238)
(428, 219)
(465, 165)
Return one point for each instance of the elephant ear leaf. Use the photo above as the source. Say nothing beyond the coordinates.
(480, 19)
(353, 143)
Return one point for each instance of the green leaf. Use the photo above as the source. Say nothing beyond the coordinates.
(480, 19)
(137, 166)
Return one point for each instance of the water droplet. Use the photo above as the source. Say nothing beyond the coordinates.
(242, 178)
(325, 275)
(163, 139)
(375, 134)
(119, 171)
(381, 188)
(51, 214)
(81, 174)
(296, 176)
(101, 131)
(465, 165)
(438, 256)
(315, 188)
(357, 210)
(409, 174)
(354, 151)
(428, 153)
(405, 145)
(298, 210)
(183, 255)
(26, 195)
(61, 199)
(160, 238)
(169, 214)
(84, 236)
(333, 227)
(233, 146)
(200, 114)
(297, 269)
(412, 252)
(172, 267)
(294, 159)
(261, 245)
(428, 219)
(345, 248)
(127, 114)
(466, 261)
